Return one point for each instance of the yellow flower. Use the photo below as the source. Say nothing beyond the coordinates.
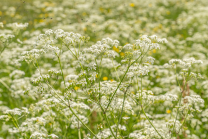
(134, 47)
(18, 16)
(168, 12)
(84, 14)
(93, 24)
(155, 29)
(96, 76)
(43, 9)
(46, 15)
(105, 78)
(153, 41)
(51, 15)
(30, 22)
(40, 15)
(181, 35)
(12, 15)
(101, 9)
(47, 4)
(122, 54)
(154, 50)
(109, 10)
(111, 80)
(115, 49)
(168, 111)
(41, 20)
(132, 4)
(85, 29)
(76, 88)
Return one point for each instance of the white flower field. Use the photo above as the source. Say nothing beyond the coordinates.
(104, 69)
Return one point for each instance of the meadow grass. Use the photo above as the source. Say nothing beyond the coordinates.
(103, 69)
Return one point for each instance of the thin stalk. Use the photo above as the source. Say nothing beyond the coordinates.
(64, 115)
(61, 69)
(145, 113)
(109, 126)
(121, 111)
(183, 123)
(106, 118)
(82, 122)
(75, 50)
(67, 104)
(3, 49)
(178, 100)
(123, 79)
(116, 89)
(74, 113)
(79, 48)
(98, 70)
(72, 52)
(116, 70)
(100, 104)
(79, 133)
(151, 123)
(79, 63)
(5, 85)
(15, 122)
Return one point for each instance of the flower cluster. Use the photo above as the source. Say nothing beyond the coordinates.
(103, 69)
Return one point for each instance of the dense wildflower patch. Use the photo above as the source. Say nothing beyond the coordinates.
(104, 69)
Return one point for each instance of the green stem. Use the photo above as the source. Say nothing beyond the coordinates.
(109, 126)
(74, 113)
(74, 49)
(121, 111)
(183, 123)
(61, 69)
(14, 122)
(178, 100)
(82, 122)
(116, 70)
(79, 133)
(66, 104)
(151, 123)
(106, 118)
(99, 75)
(5, 85)
(99, 101)
(3, 49)
(79, 63)
(79, 48)
(123, 78)
(145, 113)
